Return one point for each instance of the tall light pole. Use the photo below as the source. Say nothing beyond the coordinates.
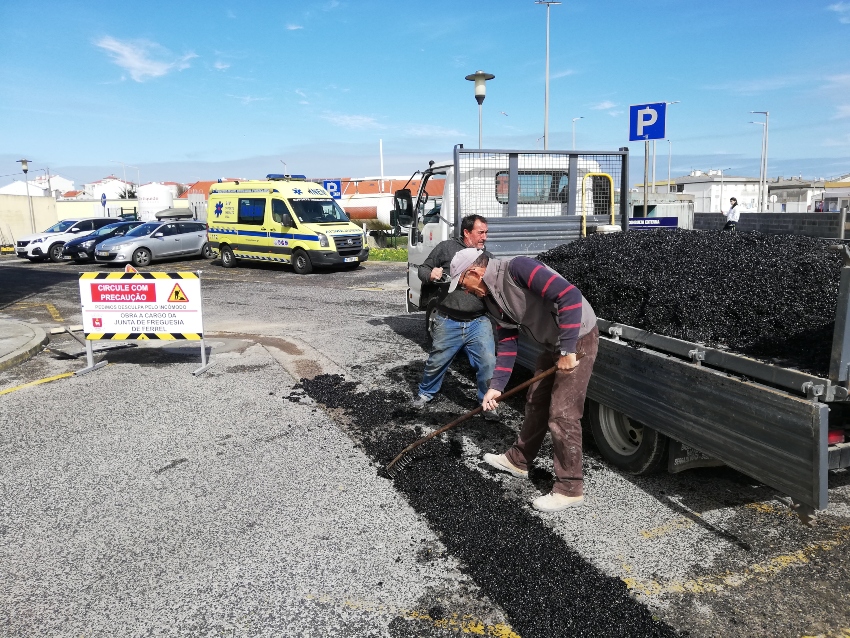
(25, 167)
(480, 78)
(721, 186)
(548, 4)
(669, 156)
(762, 177)
(669, 161)
(763, 202)
(574, 130)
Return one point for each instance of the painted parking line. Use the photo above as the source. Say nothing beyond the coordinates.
(454, 622)
(64, 375)
(718, 582)
(54, 313)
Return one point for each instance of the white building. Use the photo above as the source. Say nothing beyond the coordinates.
(794, 195)
(712, 190)
(41, 186)
(110, 186)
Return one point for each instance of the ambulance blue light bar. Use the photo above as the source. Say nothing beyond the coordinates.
(302, 178)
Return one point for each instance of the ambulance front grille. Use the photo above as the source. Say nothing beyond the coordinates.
(347, 245)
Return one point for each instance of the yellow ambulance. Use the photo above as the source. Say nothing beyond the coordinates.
(283, 218)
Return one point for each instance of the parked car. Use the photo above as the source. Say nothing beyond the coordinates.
(82, 248)
(49, 243)
(156, 240)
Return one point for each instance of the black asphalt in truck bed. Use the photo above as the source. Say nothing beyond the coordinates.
(772, 297)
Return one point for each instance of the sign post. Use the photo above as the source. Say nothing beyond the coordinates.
(647, 122)
(127, 306)
(103, 203)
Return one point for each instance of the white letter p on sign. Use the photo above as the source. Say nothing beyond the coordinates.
(645, 117)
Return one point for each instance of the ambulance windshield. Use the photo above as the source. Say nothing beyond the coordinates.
(317, 211)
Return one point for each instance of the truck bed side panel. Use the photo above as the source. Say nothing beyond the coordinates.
(768, 434)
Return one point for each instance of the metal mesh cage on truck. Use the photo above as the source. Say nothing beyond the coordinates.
(502, 183)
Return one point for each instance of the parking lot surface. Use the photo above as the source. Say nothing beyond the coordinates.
(249, 500)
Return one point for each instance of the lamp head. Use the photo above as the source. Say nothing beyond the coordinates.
(480, 77)
(24, 165)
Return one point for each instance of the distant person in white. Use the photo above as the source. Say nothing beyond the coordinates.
(732, 215)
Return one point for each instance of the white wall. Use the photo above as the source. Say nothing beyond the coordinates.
(15, 215)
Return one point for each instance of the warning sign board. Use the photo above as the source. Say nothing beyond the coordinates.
(150, 305)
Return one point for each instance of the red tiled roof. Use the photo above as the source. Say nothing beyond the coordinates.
(373, 186)
(202, 187)
(71, 193)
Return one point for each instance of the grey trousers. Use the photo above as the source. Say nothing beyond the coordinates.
(556, 404)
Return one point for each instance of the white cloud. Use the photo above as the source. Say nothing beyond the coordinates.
(302, 95)
(293, 27)
(221, 66)
(562, 74)
(603, 106)
(247, 99)
(428, 130)
(333, 4)
(351, 121)
(615, 113)
(136, 57)
(759, 85)
(842, 112)
(843, 11)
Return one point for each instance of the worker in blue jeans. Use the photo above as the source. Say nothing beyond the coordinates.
(459, 322)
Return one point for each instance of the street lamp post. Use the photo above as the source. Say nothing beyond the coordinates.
(762, 176)
(124, 167)
(25, 167)
(721, 186)
(763, 190)
(669, 157)
(574, 130)
(480, 78)
(548, 4)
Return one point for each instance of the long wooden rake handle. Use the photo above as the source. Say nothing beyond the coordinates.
(468, 415)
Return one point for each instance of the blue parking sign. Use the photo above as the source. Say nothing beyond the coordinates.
(334, 187)
(647, 121)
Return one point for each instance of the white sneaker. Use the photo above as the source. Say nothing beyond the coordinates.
(501, 462)
(556, 502)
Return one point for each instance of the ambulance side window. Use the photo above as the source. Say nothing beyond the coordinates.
(280, 213)
(252, 210)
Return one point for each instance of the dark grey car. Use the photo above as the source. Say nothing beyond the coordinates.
(156, 240)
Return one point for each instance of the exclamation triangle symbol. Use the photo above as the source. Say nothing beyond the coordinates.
(178, 295)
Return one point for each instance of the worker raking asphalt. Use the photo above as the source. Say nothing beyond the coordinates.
(771, 297)
(546, 588)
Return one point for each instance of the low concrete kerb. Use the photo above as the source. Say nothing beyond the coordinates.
(19, 341)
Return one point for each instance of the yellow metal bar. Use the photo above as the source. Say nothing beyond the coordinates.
(583, 212)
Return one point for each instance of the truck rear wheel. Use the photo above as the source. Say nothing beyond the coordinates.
(626, 444)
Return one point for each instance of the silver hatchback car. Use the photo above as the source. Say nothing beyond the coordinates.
(156, 240)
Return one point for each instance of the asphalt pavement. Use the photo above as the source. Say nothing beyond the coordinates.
(248, 500)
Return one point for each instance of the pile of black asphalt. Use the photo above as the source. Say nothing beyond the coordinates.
(771, 297)
(544, 587)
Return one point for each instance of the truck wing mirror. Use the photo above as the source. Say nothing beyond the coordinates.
(402, 214)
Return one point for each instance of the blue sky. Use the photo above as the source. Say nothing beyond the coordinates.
(188, 91)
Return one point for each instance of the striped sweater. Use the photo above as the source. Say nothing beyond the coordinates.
(539, 279)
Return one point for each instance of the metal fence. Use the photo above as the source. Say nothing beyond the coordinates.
(503, 183)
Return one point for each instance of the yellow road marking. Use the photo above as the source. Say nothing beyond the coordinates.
(457, 623)
(843, 632)
(671, 526)
(54, 313)
(38, 382)
(716, 583)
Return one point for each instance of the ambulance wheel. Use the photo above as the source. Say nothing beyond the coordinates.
(207, 251)
(55, 253)
(301, 263)
(228, 260)
(142, 257)
(626, 444)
